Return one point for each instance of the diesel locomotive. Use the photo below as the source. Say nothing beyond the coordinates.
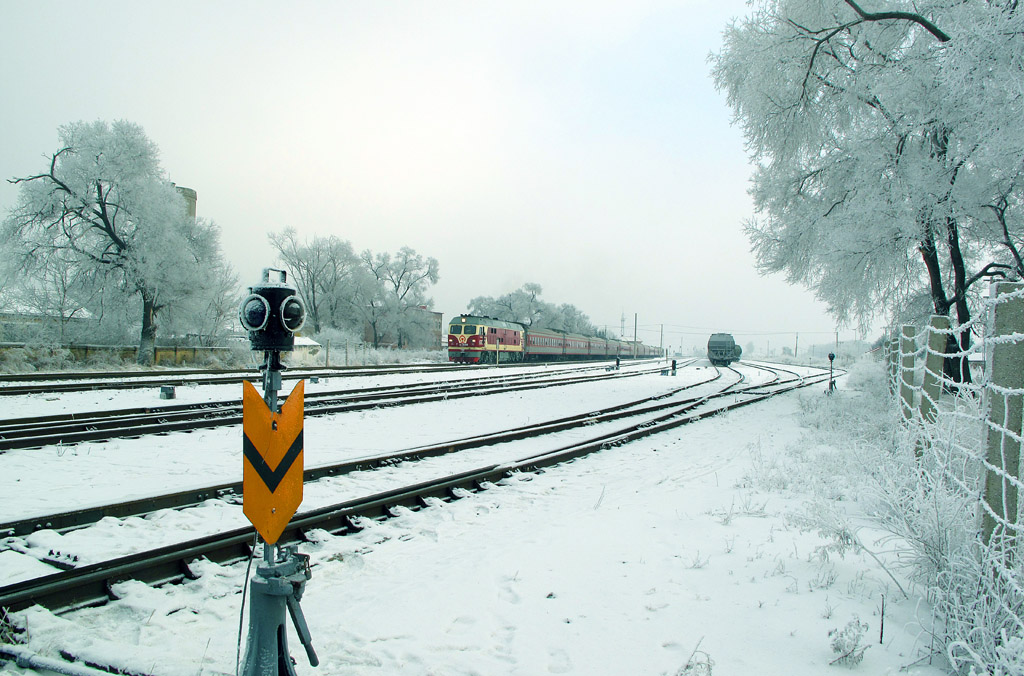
(722, 349)
(473, 339)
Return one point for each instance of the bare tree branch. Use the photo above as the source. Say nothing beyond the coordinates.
(939, 34)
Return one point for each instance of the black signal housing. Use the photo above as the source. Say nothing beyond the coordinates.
(272, 313)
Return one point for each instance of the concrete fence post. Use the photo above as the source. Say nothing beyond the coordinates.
(1006, 368)
(938, 331)
(908, 348)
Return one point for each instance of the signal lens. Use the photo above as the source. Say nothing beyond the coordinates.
(254, 312)
(293, 313)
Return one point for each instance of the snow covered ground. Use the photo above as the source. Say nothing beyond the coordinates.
(671, 556)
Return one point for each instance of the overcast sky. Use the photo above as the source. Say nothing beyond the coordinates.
(578, 145)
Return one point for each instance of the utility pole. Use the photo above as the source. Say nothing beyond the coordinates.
(662, 346)
(796, 347)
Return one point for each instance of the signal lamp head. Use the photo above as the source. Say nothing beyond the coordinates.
(293, 313)
(272, 313)
(254, 312)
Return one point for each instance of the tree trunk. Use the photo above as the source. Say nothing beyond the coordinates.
(940, 303)
(931, 261)
(959, 364)
(147, 339)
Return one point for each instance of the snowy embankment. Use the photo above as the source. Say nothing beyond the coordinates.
(642, 559)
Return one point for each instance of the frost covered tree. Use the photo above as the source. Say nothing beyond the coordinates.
(392, 298)
(385, 292)
(104, 206)
(522, 305)
(327, 273)
(886, 145)
(210, 308)
(57, 291)
(525, 306)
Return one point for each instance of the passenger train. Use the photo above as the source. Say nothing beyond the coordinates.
(473, 339)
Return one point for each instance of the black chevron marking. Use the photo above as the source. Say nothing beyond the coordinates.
(271, 477)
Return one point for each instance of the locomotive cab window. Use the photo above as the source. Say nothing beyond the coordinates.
(455, 329)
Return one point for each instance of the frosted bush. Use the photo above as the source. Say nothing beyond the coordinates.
(921, 484)
(846, 643)
(865, 375)
(698, 664)
(767, 472)
(982, 601)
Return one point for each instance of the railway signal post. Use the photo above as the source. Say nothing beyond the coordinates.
(831, 381)
(272, 458)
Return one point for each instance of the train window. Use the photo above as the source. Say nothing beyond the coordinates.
(469, 329)
(455, 329)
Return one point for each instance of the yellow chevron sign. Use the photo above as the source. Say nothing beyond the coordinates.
(271, 460)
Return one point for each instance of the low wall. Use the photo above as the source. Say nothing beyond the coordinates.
(165, 355)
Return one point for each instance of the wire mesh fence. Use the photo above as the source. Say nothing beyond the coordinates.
(959, 393)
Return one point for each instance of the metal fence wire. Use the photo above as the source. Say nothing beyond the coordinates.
(957, 502)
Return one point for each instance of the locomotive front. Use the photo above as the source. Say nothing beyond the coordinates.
(476, 340)
(465, 341)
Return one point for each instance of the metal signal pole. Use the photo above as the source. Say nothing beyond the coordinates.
(272, 313)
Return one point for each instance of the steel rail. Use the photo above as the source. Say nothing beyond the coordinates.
(94, 584)
(97, 425)
(156, 377)
(9, 426)
(69, 520)
(129, 380)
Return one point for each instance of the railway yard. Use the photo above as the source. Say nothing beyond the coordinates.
(122, 509)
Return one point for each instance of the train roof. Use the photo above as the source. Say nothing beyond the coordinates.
(488, 321)
(505, 324)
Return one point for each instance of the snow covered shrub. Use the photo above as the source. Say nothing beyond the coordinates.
(846, 643)
(766, 472)
(921, 483)
(982, 602)
(48, 358)
(698, 664)
(866, 374)
(9, 631)
(14, 360)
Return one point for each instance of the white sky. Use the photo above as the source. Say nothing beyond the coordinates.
(578, 145)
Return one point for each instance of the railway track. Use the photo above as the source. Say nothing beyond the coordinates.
(64, 429)
(85, 381)
(93, 584)
(68, 520)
